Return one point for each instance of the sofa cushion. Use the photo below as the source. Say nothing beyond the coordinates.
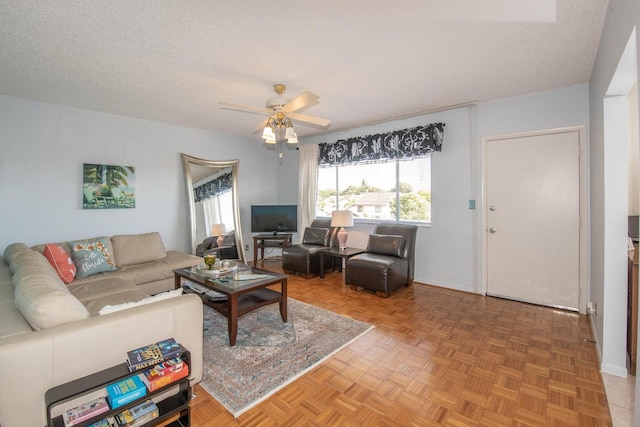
(14, 250)
(44, 301)
(148, 300)
(87, 291)
(30, 261)
(315, 236)
(94, 305)
(177, 259)
(385, 244)
(92, 256)
(137, 248)
(145, 272)
(6, 292)
(61, 262)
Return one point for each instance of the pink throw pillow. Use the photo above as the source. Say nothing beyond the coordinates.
(61, 262)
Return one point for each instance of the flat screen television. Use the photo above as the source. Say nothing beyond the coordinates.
(274, 219)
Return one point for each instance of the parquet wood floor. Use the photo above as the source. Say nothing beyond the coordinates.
(436, 357)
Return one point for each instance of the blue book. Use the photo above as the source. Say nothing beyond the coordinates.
(125, 391)
(170, 349)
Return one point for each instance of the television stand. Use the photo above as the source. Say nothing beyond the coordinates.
(269, 240)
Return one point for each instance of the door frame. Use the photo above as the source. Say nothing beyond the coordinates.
(584, 205)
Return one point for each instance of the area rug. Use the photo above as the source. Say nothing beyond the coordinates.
(269, 353)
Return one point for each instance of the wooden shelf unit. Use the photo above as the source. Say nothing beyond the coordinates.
(269, 240)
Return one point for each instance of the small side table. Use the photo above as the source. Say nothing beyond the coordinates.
(345, 253)
(269, 240)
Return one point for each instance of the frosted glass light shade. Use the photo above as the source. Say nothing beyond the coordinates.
(267, 132)
(290, 133)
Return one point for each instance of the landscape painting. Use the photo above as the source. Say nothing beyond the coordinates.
(108, 187)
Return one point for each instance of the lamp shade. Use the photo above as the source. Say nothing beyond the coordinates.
(342, 219)
(218, 230)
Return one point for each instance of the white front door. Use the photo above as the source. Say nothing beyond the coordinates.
(532, 211)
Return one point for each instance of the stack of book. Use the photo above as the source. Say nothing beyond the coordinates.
(159, 364)
(164, 373)
(138, 415)
(153, 354)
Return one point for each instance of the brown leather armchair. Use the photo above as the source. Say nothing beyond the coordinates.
(388, 261)
(303, 258)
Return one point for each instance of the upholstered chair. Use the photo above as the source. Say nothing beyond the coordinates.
(303, 258)
(387, 263)
(228, 250)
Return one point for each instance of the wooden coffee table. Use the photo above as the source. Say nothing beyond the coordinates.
(243, 296)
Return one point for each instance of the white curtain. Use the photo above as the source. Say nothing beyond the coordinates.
(308, 185)
(215, 214)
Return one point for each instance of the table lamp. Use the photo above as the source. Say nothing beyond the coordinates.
(218, 230)
(342, 219)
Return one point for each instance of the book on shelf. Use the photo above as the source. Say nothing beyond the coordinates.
(76, 415)
(164, 374)
(138, 415)
(102, 423)
(152, 354)
(125, 391)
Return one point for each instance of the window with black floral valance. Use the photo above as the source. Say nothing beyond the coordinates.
(396, 145)
(212, 188)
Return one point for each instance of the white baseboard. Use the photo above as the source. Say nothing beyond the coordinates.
(605, 368)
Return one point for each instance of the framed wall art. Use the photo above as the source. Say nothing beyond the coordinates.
(108, 187)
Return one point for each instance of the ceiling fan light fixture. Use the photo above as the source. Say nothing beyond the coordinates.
(268, 132)
(280, 110)
(290, 133)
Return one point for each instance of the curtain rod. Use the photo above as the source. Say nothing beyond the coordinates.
(390, 119)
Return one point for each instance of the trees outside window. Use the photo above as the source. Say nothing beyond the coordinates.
(397, 190)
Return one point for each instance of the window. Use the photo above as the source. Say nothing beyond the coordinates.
(374, 190)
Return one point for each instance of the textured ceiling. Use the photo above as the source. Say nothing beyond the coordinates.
(173, 61)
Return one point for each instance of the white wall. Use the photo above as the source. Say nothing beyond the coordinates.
(633, 151)
(622, 17)
(448, 250)
(43, 147)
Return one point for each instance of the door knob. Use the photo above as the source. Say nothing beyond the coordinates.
(492, 230)
(492, 208)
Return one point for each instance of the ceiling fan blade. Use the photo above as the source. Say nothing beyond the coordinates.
(305, 99)
(261, 126)
(311, 120)
(244, 108)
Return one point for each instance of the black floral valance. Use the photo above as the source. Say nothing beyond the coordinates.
(399, 144)
(212, 188)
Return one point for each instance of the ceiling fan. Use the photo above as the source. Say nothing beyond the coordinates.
(282, 112)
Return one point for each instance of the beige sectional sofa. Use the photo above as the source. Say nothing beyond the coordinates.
(52, 332)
